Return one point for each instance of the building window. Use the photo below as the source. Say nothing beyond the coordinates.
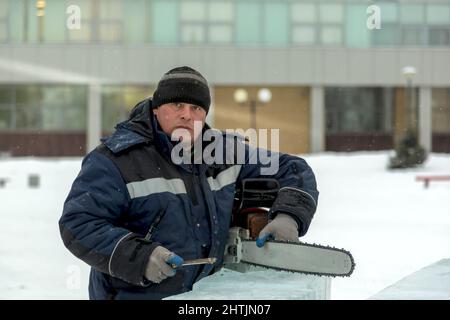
(110, 31)
(193, 11)
(5, 117)
(359, 110)
(220, 11)
(304, 13)
(331, 35)
(276, 24)
(209, 21)
(63, 107)
(54, 23)
(303, 20)
(28, 100)
(220, 21)
(3, 31)
(389, 34)
(17, 21)
(84, 34)
(164, 22)
(331, 12)
(438, 19)
(389, 11)
(136, 22)
(6, 107)
(439, 36)
(438, 14)
(117, 102)
(192, 17)
(110, 21)
(412, 14)
(412, 19)
(331, 17)
(356, 32)
(43, 107)
(4, 12)
(440, 104)
(220, 34)
(413, 35)
(192, 33)
(87, 27)
(101, 21)
(304, 34)
(441, 110)
(248, 22)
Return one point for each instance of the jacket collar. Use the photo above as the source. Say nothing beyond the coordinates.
(141, 127)
(136, 130)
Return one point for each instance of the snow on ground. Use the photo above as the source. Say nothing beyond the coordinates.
(431, 282)
(390, 223)
(34, 262)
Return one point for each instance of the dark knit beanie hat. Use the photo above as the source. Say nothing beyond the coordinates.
(182, 84)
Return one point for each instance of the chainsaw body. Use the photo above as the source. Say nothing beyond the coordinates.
(253, 199)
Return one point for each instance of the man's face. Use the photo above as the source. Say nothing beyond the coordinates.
(178, 115)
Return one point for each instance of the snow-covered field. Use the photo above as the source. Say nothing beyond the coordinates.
(390, 223)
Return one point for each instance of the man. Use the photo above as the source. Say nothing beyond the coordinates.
(132, 209)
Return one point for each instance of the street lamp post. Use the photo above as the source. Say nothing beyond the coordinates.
(241, 96)
(40, 6)
(408, 151)
(409, 73)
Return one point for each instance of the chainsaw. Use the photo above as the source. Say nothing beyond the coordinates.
(253, 200)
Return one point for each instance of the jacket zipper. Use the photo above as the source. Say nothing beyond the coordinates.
(149, 234)
(194, 193)
(155, 224)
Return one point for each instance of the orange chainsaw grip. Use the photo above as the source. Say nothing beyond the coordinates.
(256, 222)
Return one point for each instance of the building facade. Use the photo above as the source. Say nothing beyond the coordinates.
(70, 70)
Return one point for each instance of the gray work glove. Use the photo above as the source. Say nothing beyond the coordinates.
(159, 264)
(283, 227)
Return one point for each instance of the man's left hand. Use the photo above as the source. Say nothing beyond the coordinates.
(283, 227)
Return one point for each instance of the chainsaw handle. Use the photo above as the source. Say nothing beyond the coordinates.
(260, 241)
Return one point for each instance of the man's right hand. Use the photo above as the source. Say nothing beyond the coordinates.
(283, 227)
(159, 264)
